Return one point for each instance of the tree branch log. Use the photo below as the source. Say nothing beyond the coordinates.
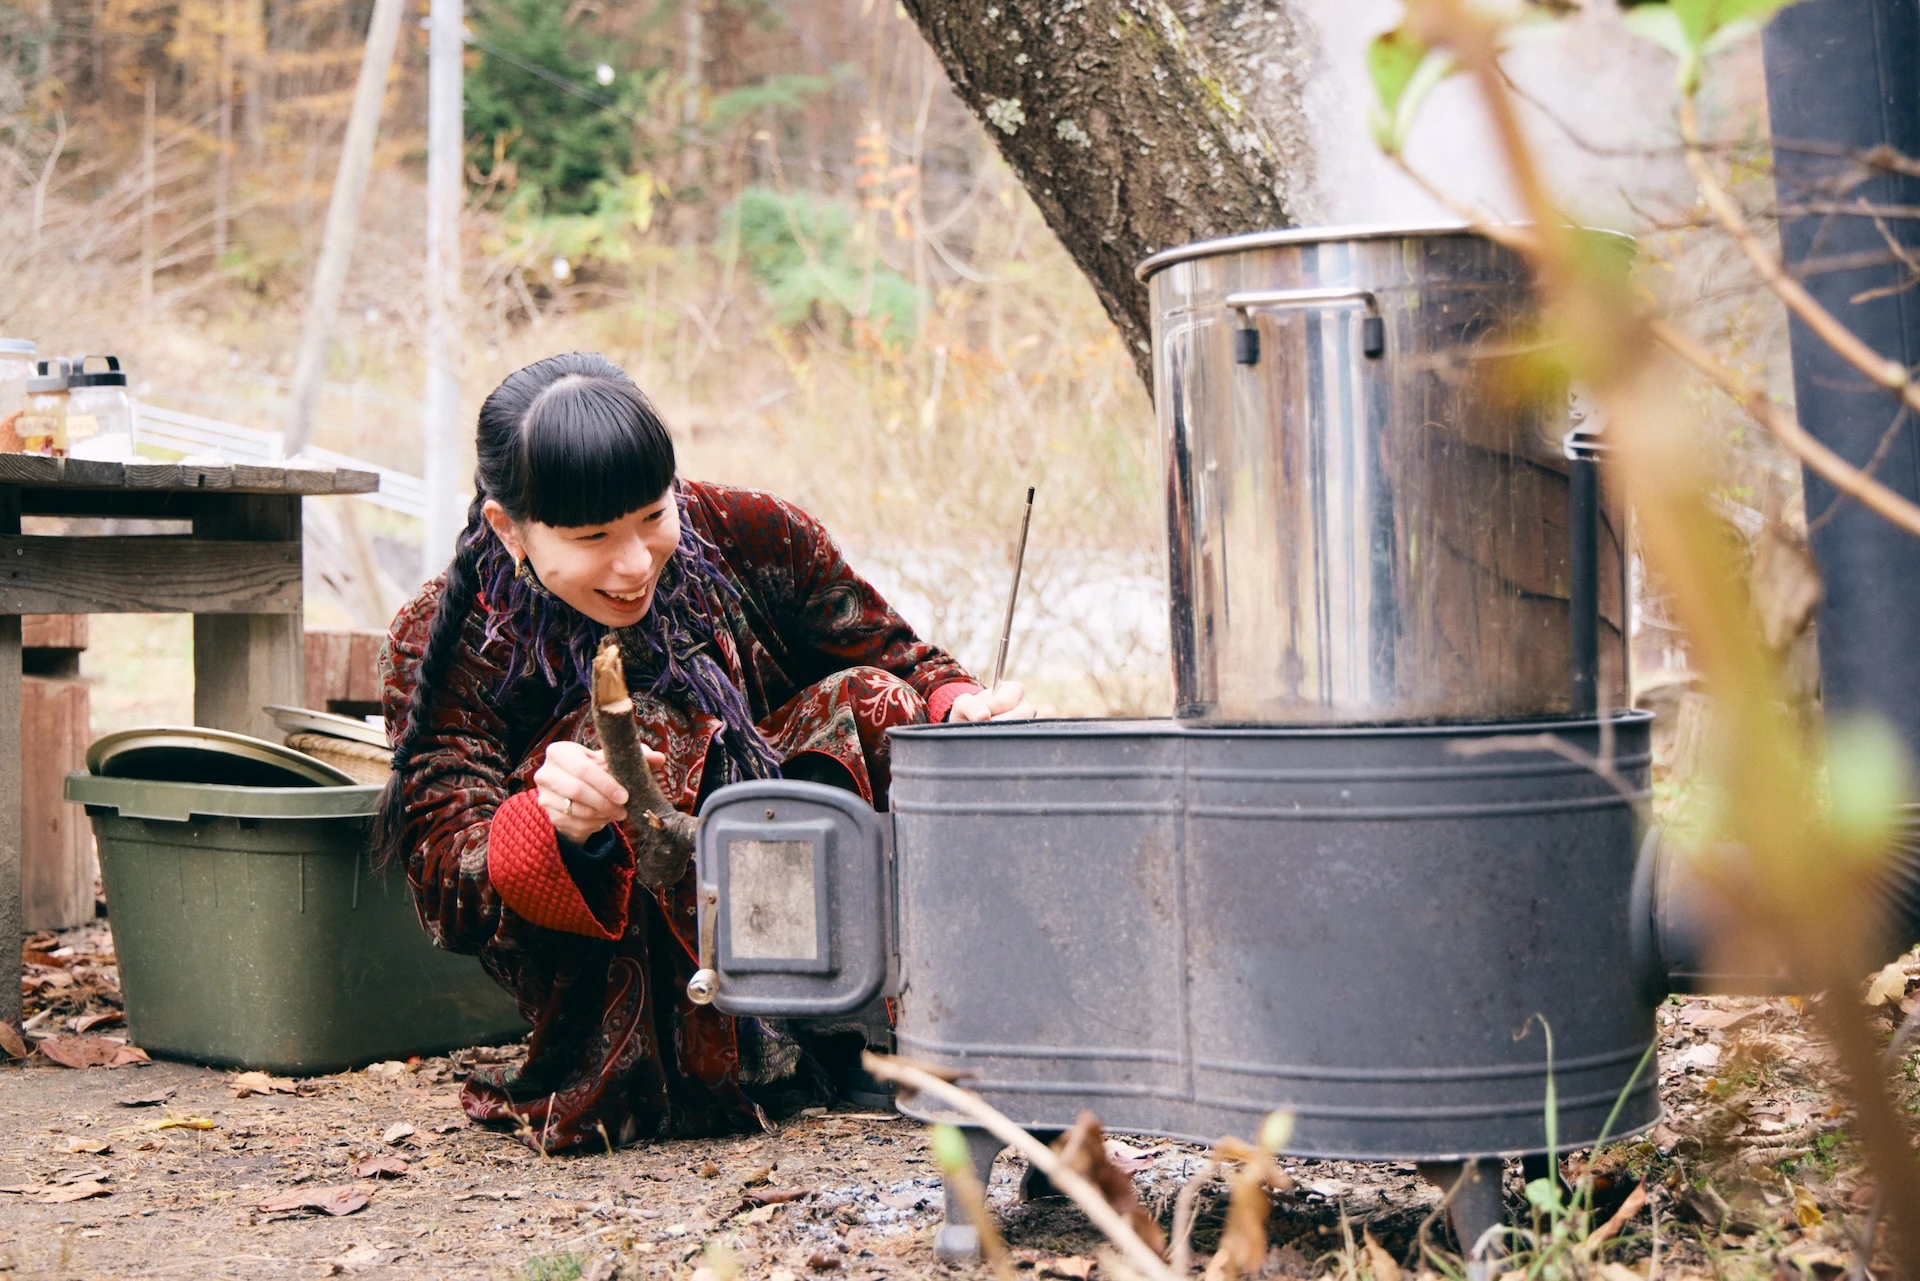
(663, 836)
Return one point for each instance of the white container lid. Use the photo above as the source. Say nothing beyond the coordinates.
(17, 347)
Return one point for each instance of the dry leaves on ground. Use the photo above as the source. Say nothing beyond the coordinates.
(341, 1199)
(12, 1044)
(396, 1132)
(260, 1083)
(384, 1166)
(152, 1100)
(91, 1052)
(60, 1193)
(1083, 1149)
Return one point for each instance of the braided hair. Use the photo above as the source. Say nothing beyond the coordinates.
(566, 441)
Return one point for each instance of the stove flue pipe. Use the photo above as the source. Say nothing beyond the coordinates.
(1843, 79)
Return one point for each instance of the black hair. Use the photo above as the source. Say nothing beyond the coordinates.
(566, 441)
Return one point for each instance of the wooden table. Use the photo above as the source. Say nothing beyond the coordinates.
(238, 573)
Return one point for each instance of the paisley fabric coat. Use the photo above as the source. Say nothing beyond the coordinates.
(618, 1053)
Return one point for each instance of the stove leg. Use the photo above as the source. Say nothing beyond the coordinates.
(959, 1240)
(1476, 1205)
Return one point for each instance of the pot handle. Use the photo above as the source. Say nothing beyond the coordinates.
(1246, 339)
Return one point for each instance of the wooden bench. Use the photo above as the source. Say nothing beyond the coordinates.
(56, 842)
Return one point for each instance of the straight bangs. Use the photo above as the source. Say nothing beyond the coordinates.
(594, 452)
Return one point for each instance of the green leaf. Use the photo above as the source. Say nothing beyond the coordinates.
(1404, 71)
(1869, 779)
(1660, 24)
(1392, 59)
(949, 1148)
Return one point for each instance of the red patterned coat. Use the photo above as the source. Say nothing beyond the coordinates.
(600, 969)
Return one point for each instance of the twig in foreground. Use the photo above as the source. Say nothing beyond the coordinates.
(1135, 1251)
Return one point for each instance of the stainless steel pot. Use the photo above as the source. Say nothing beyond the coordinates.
(1370, 497)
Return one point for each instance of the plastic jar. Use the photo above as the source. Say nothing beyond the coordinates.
(42, 425)
(16, 366)
(99, 412)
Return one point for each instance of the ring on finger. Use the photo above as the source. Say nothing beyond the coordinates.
(566, 806)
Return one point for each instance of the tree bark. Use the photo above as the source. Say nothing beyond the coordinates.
(1135, 125)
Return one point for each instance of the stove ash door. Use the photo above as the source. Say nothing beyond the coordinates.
(796, 900)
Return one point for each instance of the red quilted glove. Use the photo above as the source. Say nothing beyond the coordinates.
(524, 864)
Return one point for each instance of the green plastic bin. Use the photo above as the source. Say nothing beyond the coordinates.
(250, 926)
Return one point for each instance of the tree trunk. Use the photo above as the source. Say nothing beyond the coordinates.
(1134, 125)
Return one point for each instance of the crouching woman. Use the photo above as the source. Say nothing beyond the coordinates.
(751, 651)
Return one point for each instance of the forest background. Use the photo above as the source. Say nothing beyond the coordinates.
(777, 217)
(781, 220)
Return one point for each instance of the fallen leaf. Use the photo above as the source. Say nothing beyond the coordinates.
(1382, 1265)
(823, 1261)
(1890, 984)
(87, 1022)
(95, 1175)
(390, 1069)
(1636, 1201)
(147, 1100)
(92, 1147)
(775, 1196)
(60, 1194)
(708, 1170)
(90, 1052)
(12, 1044)
(383, 1166)
(1704, 1056)
(1330, 1188)
(359, 1258)
(1083, 1149)
(1077, 1267)
(338, 1200)
(1806, 1210)
(762, 1215)
(397, 1131)
(757, 1177)
(184, 1123)
(1127, 1159)
(260, 1083)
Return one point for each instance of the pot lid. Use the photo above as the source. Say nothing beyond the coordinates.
(50, 375)
(305, 720)
(111, 376)
(1320, 235)
(195, 754)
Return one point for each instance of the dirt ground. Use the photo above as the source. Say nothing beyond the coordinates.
(1750, 1174)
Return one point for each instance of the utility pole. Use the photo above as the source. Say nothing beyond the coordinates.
(343, 222)
(446, 193)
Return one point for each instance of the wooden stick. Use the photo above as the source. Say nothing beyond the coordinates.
(1137, 1252)
(1013, 593)
(663, 836)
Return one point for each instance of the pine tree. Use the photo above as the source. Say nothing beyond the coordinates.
(557, 142)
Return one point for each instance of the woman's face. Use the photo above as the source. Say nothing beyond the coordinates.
(607, 572)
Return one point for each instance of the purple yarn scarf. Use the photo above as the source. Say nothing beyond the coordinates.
(671, 653)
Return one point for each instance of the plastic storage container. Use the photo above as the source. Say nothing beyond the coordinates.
(16, 366)
(99, 411)
(251, 928)
(42, 425)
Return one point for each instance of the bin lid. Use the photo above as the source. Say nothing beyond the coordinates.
(194, 754)
(305, 720)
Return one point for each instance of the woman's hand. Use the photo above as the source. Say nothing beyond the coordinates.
(1006, 701)
(578, 793)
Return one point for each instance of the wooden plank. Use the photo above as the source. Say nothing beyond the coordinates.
(9, 788)
(329, 653)
(56, 849)
(157, 574)
(134, 504)
(33, 471)
(243, 661)
(363, 672)
(54, 631)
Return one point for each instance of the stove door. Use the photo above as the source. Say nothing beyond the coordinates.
(796, 900)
